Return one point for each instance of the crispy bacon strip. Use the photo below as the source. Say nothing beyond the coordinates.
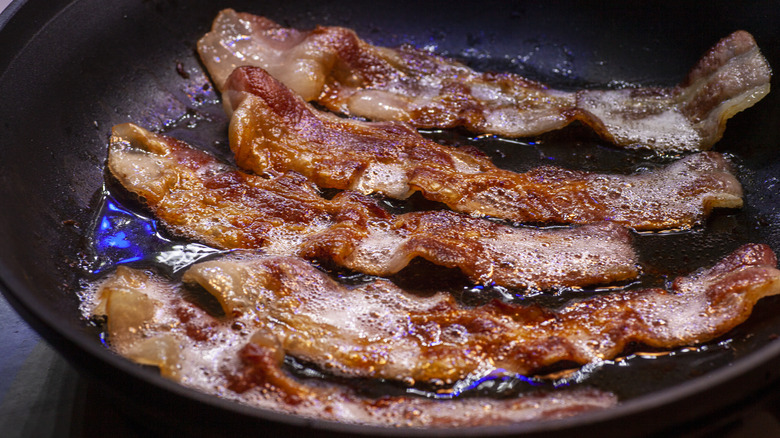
(272, 128)
(348, 75)
(211, 354)
(200, 198)
(379, 331)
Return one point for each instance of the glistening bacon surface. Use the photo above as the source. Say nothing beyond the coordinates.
(348, 75)
(272, 128)
(379, 331)
(200, 198)
(150, 321)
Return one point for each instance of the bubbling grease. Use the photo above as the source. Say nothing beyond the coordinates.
(203, 349)
(277, 306)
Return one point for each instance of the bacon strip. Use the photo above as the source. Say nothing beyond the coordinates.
(149, 322)
(200, 198)
(273, 129)
(378, 331)
(348, 75)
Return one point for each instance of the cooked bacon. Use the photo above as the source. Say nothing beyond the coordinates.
(379, 331)
(277, 306)
(348, 75)
(212, 354)
(273, 129)
(200, 198)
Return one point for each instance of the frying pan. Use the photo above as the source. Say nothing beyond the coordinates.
(69, 70)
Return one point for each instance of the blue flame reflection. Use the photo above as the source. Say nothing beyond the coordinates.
(121, 235)
(498, 380)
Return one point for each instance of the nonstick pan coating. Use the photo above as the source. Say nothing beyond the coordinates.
(71, 70)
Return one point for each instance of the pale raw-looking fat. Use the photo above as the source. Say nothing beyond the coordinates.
(668, 123)
(518, 250)
(348, 75)
(387, 178)
(286, 56)
(179, 357)
(662, 193)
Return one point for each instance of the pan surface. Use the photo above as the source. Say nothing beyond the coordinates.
(69, 71)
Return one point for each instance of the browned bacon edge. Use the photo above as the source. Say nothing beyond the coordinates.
(272, 128)
(200, 198)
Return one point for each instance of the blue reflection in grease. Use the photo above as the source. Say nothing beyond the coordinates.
(121, 235)
(498, 380)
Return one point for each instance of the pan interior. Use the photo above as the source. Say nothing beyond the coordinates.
(64, 86)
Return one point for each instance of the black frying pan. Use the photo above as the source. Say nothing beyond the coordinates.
(71, 70)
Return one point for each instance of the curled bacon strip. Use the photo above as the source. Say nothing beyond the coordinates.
(379, 331)
(200, 198)
(348, 75)
(273, 129)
